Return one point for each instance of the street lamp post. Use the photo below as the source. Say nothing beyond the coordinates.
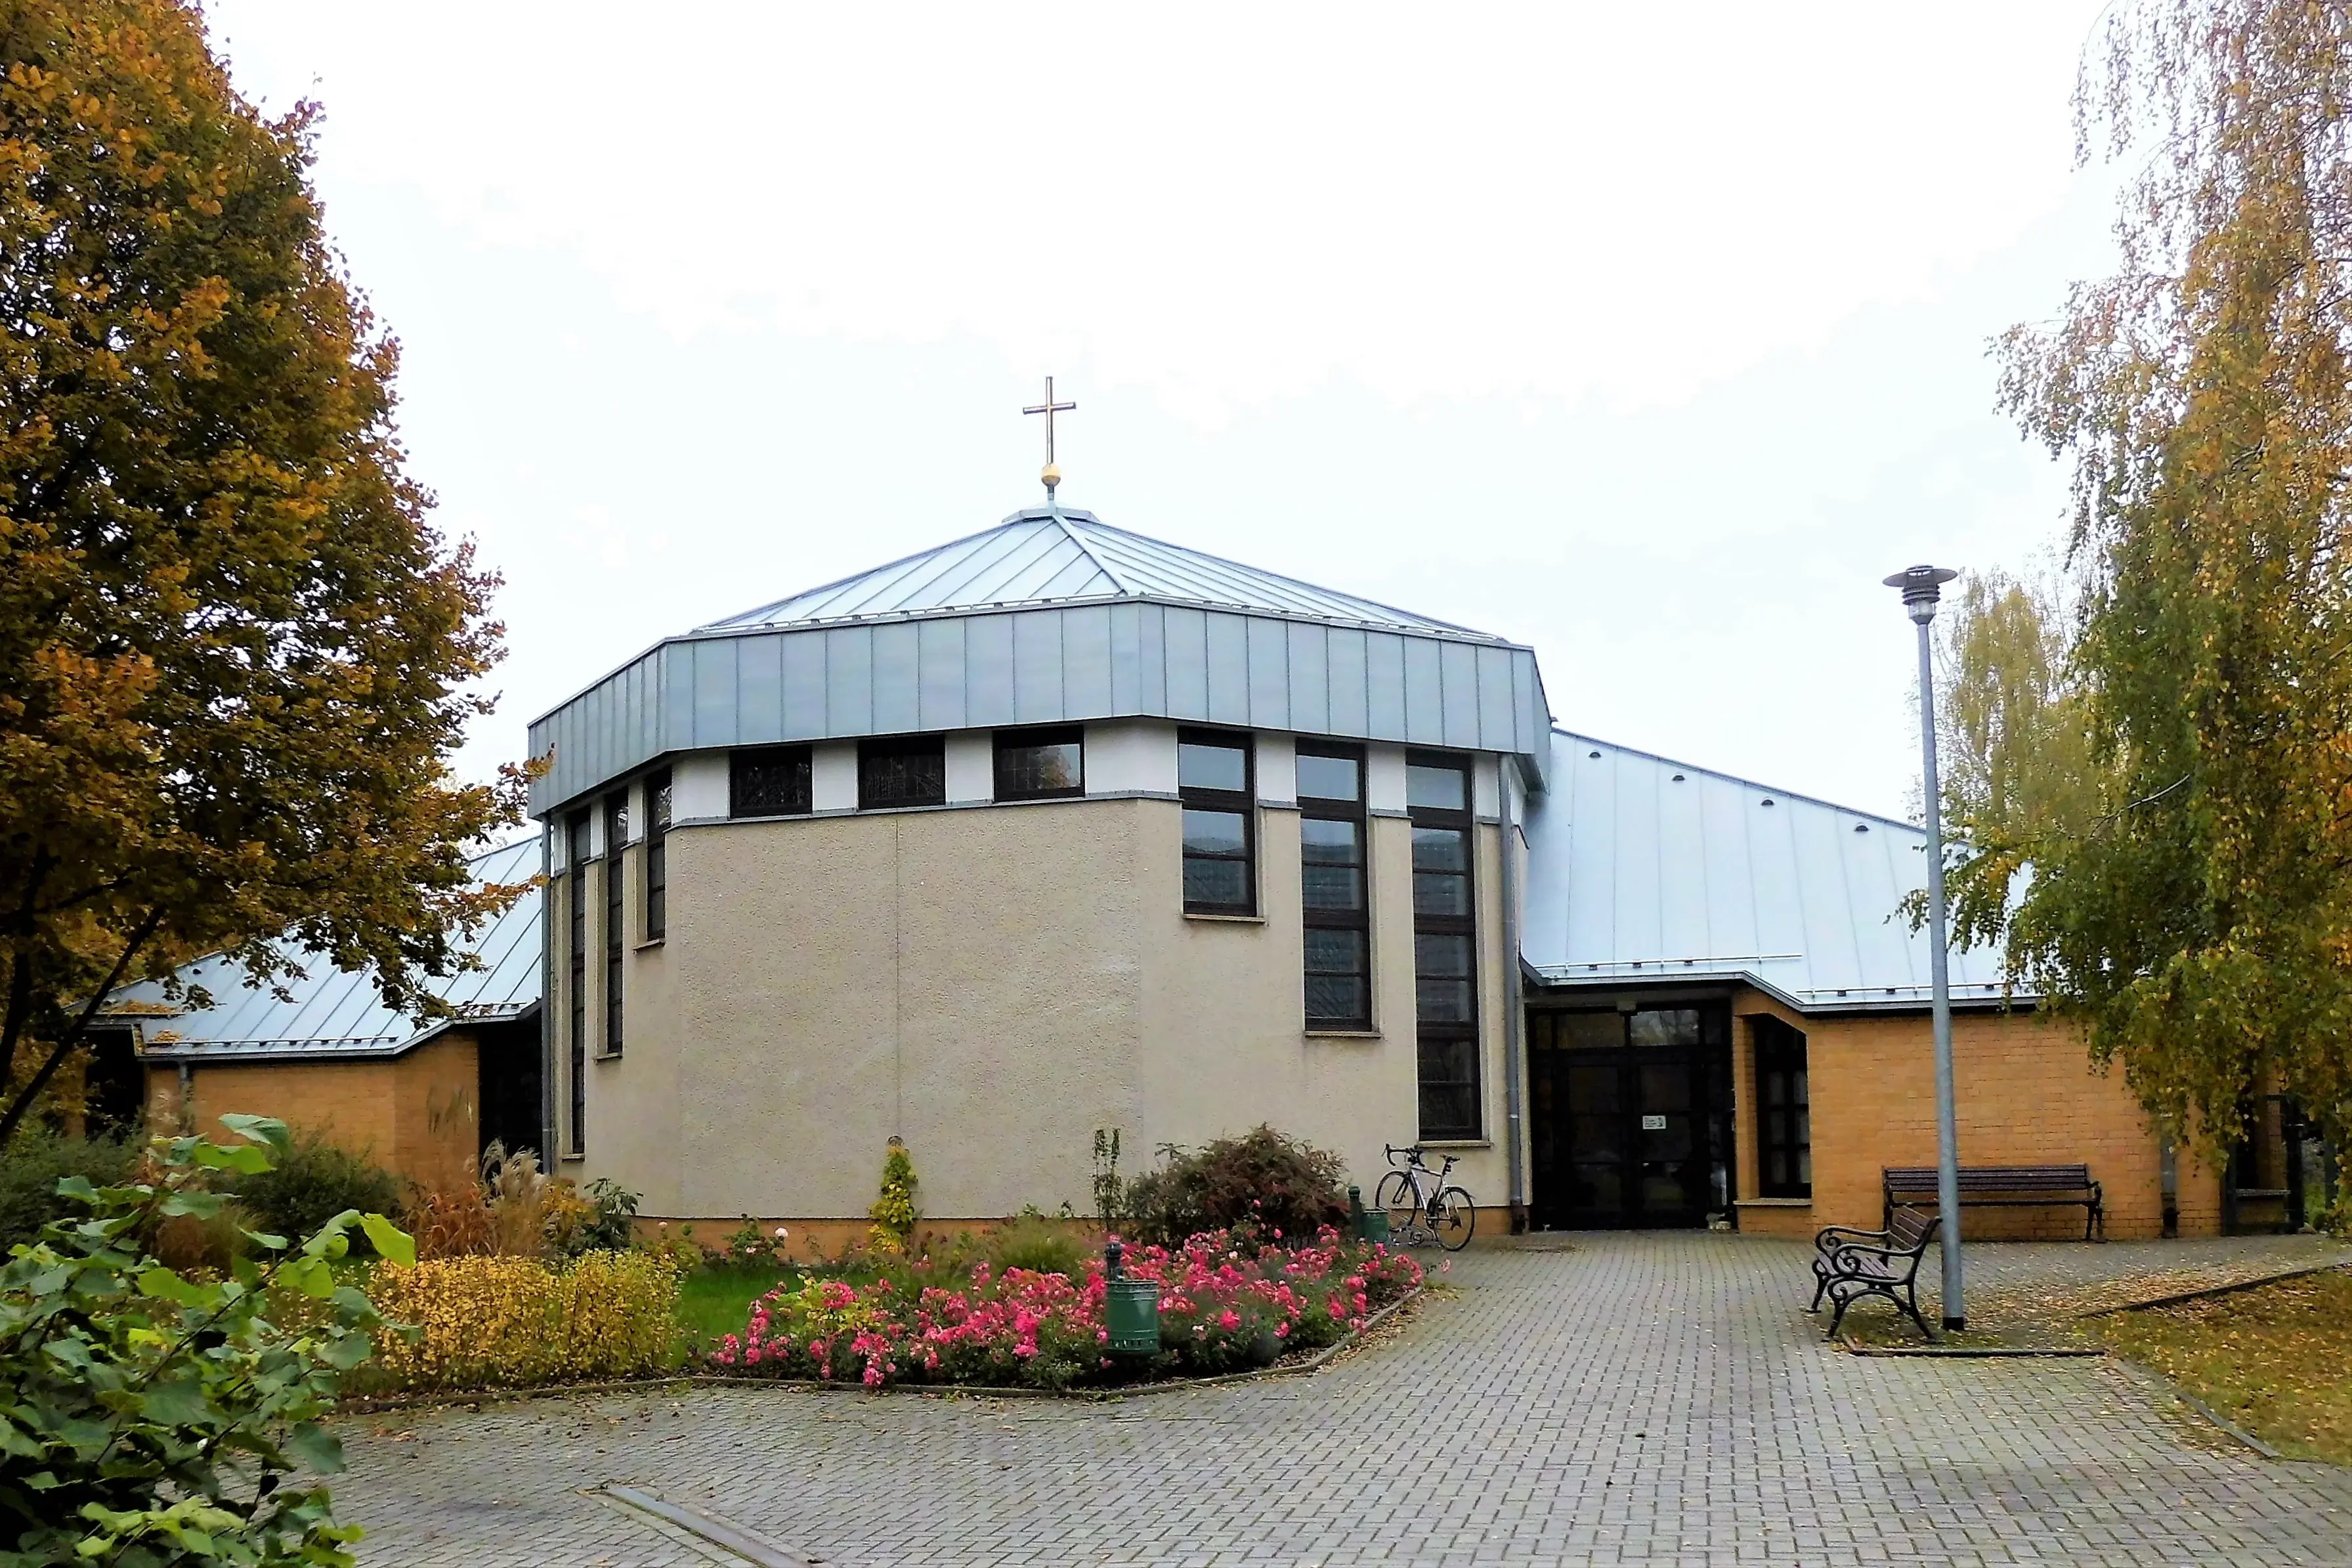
(1922, 586)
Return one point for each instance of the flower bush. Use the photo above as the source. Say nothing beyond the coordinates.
(1224, 1303)
(495, 1321)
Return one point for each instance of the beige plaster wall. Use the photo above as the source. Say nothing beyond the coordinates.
(992, 985)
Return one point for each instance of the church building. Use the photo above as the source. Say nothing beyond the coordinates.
(1057, 828)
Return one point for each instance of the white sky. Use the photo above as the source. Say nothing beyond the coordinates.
(1653, 336)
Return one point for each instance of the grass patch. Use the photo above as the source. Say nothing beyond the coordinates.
(2277, 1359)
(717, 1299)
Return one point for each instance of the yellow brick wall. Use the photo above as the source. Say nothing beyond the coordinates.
(417, 1115)
(2026, 1094)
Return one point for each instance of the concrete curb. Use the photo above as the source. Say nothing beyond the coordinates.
(435, 1399)
(2301, 1272)
(1968, 1352)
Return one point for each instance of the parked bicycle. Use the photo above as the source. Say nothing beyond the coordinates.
(1422, 1210)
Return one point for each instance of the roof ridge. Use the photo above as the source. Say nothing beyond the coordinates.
(912, 557)
(1740, 779)
(1092, 554)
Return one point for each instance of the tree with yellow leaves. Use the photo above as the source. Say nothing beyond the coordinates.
(233, 656)
(2190, 894)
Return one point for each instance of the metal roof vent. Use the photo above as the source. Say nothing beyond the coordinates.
(1862, 827)
(1595, 755)
(1678, 778)
(1767, 800)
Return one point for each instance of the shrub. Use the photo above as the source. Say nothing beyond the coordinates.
(32, 1164)
(517, 1199)
(451, 1222)
(152, 1419)
(315, 1181)
(894, 1211)
(1033, 1242)
(489, 1322)
(1262, 1185)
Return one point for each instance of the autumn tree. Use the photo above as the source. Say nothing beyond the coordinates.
(2194, 907)
(233, 656)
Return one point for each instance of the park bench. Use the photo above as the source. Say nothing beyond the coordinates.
(2001, 1186)
(1849, 1264)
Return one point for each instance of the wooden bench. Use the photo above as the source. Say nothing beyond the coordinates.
(2001, 1186)
(1849, 1264)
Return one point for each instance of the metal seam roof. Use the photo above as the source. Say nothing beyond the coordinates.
(332, 1012)
(1053, 556)
(1729, 879)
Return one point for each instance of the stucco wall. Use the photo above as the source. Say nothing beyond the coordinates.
(993, 985)
(2025, 1094)
(415, 1115)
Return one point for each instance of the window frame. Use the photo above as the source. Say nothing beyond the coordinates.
(575, 900)
(1003, 740)
(617, 918)
(743, 758)
(657, 854)
(879, 746)
(1455, 1039)
(1243, 800)
(1780, 1048)
(1315, 918)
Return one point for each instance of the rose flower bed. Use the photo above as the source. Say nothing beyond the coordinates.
(1224, 1307)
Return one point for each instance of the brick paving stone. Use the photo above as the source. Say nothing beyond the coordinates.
(1644, 1398)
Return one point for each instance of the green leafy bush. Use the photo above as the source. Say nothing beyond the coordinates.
(147, 1418)
(35, 1161)
(1033, 1241)
(1257, 1185)
(314, 1181)
(894, 1213)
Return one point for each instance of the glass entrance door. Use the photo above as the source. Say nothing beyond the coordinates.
(1622, 1123)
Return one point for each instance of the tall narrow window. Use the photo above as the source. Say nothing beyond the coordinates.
(1444, 944)
(1333, 900)
(616, 912)
(1784, 1118)
(910, 771)
(771, 781)
(656, 855)
(1040, 764)
(575, 900)
(1213, 776)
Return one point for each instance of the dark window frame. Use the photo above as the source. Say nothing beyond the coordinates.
(1780, 1053)
(1004, 740)
(657, 817)
(753, 790)
(1443, 1046)
(1243, 800)
(617, 916)
(575, 897)
(1314, 917)
(881, 748)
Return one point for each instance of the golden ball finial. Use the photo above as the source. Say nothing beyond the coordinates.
(1052, 475)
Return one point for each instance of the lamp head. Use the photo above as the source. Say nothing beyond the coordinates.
(1922, 586)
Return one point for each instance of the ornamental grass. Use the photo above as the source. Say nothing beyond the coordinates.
(504, 1322)
(1224, 1305)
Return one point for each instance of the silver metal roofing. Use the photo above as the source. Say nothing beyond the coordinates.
(1092, 623)
(1048, 556)
(1644, 870)
(338, 1012)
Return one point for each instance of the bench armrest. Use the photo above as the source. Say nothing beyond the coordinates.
(1830, 1237)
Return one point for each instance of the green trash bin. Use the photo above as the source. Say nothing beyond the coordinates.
(1130, 1308)
(1371, 1224)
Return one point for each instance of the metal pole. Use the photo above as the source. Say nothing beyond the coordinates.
(1948, 1133)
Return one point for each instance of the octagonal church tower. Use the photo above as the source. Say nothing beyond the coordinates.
(1051, 829)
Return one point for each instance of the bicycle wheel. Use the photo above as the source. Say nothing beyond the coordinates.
(1396, 1195)
(1456, 1217)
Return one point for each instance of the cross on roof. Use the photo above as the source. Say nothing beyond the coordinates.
(1049, 408)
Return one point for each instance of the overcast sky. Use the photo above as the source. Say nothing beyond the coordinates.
(1652, 337)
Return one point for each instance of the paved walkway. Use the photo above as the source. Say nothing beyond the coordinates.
(1644, 1398)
